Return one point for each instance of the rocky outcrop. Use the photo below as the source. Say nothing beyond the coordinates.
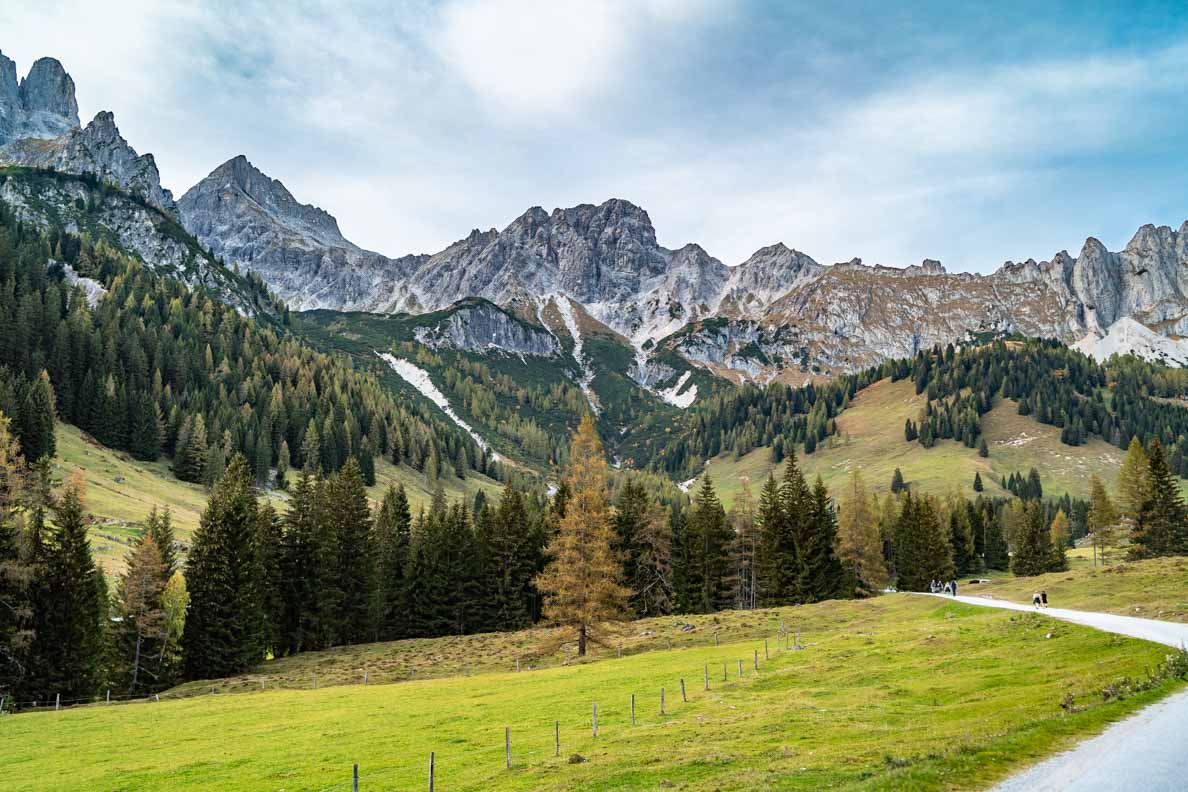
(41, 106)
(98, 150)
(251, 220)
(480, 326)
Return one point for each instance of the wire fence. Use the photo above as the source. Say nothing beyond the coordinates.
(510, 755)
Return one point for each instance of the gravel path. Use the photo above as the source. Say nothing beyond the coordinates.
(1143, 753)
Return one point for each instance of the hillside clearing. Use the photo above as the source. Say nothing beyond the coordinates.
(870, 435)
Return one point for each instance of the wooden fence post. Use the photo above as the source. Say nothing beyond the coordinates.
(57, 701)
(684, 698)
(517, 665)
(740, 669)
(661, 701)
(756, 659)
(366, 675)
(707, 676)
(766, 656)
(109, 695)
(594, 718)
(431, 771)
(556, 738)
(507, 745)
(632, 709)
(723, 672)
(355, 779)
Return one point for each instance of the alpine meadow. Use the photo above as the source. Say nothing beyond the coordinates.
(581, 501)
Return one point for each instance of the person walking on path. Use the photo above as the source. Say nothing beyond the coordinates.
(1035, 600)
(1044, 597)
(954, 588)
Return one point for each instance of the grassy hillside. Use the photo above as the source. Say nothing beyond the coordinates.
(861, 707)
(1154, 589)
(121, 491)
(870, 435)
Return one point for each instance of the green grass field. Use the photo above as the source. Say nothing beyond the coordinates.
(900, 692)
(870, 435)
(120, 492)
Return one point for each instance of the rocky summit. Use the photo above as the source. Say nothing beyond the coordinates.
(42, 105)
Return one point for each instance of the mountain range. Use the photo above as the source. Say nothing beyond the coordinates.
(779, 314)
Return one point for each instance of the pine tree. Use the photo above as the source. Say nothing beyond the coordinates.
(16, 608)
(1162, 525)
(897, 485)
(146, 430)
(70, 606)
(630, 513)
(311, 570)
(351, 516)
(189, 462)
(796, 505)
(159, 525)
(859, 546)
(225, 630)
(651, 592)
(775, 552)
(272, 578)
(581, 583)
(823, 575)
(393, 537)
(983, 449)
(744, 553)
(1033, 546)
(977, 482)
(921, 547)
(709, 537)
(512, 556)
(36, 430)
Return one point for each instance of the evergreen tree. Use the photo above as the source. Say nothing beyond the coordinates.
(146, 429)
(581, 583)
(983, 449)
(512, 557)
(225, 629)
(189, 463)
(977, 482)
(897, 485)
(393, 536)
(159, 526)
(651, 589)
(311, 570)
(351, 519)
(921, 547)
(272, 578)
(630, 513)
(709, 537)
(1162, 525)
(16, 608)
(70, 606)
(775, 553)
(1033, 546)
(36, 430)
(822, 576)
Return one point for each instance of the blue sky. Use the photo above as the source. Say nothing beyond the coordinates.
(970, 133)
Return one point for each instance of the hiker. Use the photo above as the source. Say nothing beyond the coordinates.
(954, 588)
(1044, 597)
(932, 587)
(1035, 600)
(947, 591)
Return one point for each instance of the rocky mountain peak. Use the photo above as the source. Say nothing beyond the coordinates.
(49, 89)
(240, 175)
(41, 106)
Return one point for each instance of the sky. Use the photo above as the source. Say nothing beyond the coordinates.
(970, 133)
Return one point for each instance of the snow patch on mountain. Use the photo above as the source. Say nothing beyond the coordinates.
(565, 308)
(419, 378)
(674, 396)
(1127, 336)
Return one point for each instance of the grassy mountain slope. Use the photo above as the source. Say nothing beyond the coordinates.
(121, 490)
(871, 435)
(861, 707)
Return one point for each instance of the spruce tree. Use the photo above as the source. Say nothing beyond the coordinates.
(823, 575)
(582, 582)
(71, 607)
(1162, 525)
(630, 514)
(1033, 546)
(897, 485)
(351, 518)
(393, 537)
(16, 608)
(651, 589)
(796, 505)
(36, 431)
(159, 525)
(977, 482)
(272, 578)
(921, 547)
(225, 628)
(774, 553)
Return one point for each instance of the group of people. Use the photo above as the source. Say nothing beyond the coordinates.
(948, 587)
(1040, 599)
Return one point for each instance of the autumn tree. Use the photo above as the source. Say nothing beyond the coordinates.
(1134, 485)
(1103, 518)
(582, 582)
(143, 627)
(859, 546)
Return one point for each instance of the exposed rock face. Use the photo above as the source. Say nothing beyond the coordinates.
(98, 150)
(251, 220)
(480, 326)
(785, 308)
(41, 106)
